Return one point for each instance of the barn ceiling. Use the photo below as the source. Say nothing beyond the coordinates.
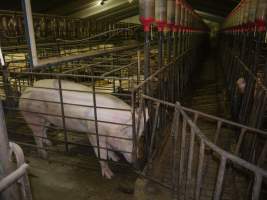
(115, 9)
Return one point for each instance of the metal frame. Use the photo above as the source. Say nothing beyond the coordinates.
(189, 142)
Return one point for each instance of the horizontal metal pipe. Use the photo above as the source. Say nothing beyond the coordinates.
(98, 35)
(56, 75)
(120, 68)
(229, 156)
(57, 60)
(264, 133)
(13, 177)
(71, 143)
(70, 117)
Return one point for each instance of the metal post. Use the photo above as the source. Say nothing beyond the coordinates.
(29, 32)
(146, 59)
(5, 164)
(135, 142)
(63, 115)
(96, 121)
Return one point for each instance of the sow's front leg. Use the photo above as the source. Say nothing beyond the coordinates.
(103, 150)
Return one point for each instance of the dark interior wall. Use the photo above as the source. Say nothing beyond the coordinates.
(40, 6)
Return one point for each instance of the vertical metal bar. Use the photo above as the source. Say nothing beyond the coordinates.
(135, 142)
(218, 130)
(2, 60)
(220, 178)
(96, 121)
(29, 30)
(5, 164)
(113, 80)
(146, 60)
(182, 157)
(200, 170)
(174, 133)
(189, 165)
(257, 187)
(240, 140)
(138, 66)
(195, 118)
(154, 129)
(63, 115)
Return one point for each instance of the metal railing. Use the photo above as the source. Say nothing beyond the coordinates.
(18, 177)
(193, 153)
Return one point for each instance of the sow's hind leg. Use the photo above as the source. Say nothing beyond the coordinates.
(38, 126)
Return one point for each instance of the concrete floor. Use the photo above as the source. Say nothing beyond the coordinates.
(76, 177)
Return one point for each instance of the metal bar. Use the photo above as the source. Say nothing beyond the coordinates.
(96, 122)
(118, 69)
(220, 178)
(2, 60)
(196, 115)
(12, 73)
(37, 64)
(215, 148)
(5, 164)
(182, 157)
(208, 116)
(189, 165)
(57, 60)
(218, 130)
(63, 115)
(161, 70)
(82, 67)
(29, 32)
(257, 187)
(10, 179)
(174, 134)
(154, 130)
(146, 60)
(200, 170)
(134, 128)
(240, 140)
